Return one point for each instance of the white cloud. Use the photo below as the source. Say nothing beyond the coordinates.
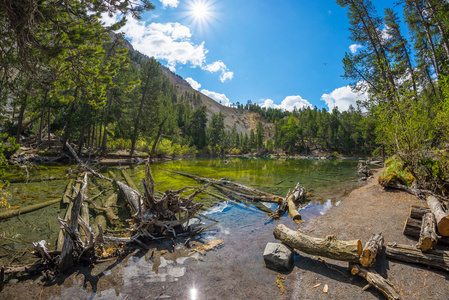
(171, 3)
(354, 48)
(220, 98)
(342, 98)
(289, 103)
(194, 84)
(170, 42)
(219, 66)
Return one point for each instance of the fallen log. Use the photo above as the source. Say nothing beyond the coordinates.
(412, 228)
(363, 169)
(372, 248)
(27, 209)
(253, 198)
(128, 180)
(68, 190)
(417, 212)
(438, 259)
(66, 257)
(329, 247)
(441, 217)
(132, 196)
(298, 194)
(428, 237)
(26, 180)
(383, 285)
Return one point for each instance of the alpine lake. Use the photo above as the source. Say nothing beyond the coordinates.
(234, 267)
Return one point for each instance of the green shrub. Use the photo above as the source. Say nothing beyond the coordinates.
(395, 172)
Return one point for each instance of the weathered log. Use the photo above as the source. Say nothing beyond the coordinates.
(438, 259)
(372, 247)
(132, 196)
(128, 180)
(412, 228)
(328, 247)
(68, 191)
(66, 258)
(428, 237)
(41, 248)
(364, 170)
(60, 241)
(441, 217)
(27, 209)
(383, 285)
(100, 219)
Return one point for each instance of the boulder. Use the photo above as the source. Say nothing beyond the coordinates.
(278, 257)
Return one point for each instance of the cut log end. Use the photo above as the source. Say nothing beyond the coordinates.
(443, 226)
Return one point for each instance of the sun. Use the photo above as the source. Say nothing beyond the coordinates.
(200, 10)
(201, 13)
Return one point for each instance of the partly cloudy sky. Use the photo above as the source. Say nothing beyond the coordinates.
(283, 52)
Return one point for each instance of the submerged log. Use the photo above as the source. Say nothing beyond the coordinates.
(128, 180)
(27, 209)
(428, 237)
(438, 259)
(383, 285)
(68, 190)
(412, 228)
(328, 247)
(372, 248)
(441, 217)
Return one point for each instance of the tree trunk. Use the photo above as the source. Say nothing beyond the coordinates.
(383, 285)
(328, 247)
(105, 123)
(20, 120)
(83, 130)
(48, 124)
(428, 237)
(68, 124)
(372, 247)
(438, 259)
(429, 39)
(41, 126)
(440, 28)
(159, 133)
(26, 209)
(441, 217)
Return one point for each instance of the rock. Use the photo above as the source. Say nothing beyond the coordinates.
(278, 257)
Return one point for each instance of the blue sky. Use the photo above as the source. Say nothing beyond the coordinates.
(278, 53)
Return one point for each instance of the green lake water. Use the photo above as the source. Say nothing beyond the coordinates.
(325, 180)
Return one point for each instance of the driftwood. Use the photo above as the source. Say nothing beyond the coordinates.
(433, 258)
(441, 217)
(329, 247)
(364, 170)
(383, 285)
(372, 248)
(132, 196)
(289, 203)
(27, 209)
(412, 228)
(428, 237)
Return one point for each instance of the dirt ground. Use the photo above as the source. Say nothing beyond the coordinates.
(236, 270)
(367, 210)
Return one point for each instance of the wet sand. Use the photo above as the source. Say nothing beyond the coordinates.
(235, 270)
